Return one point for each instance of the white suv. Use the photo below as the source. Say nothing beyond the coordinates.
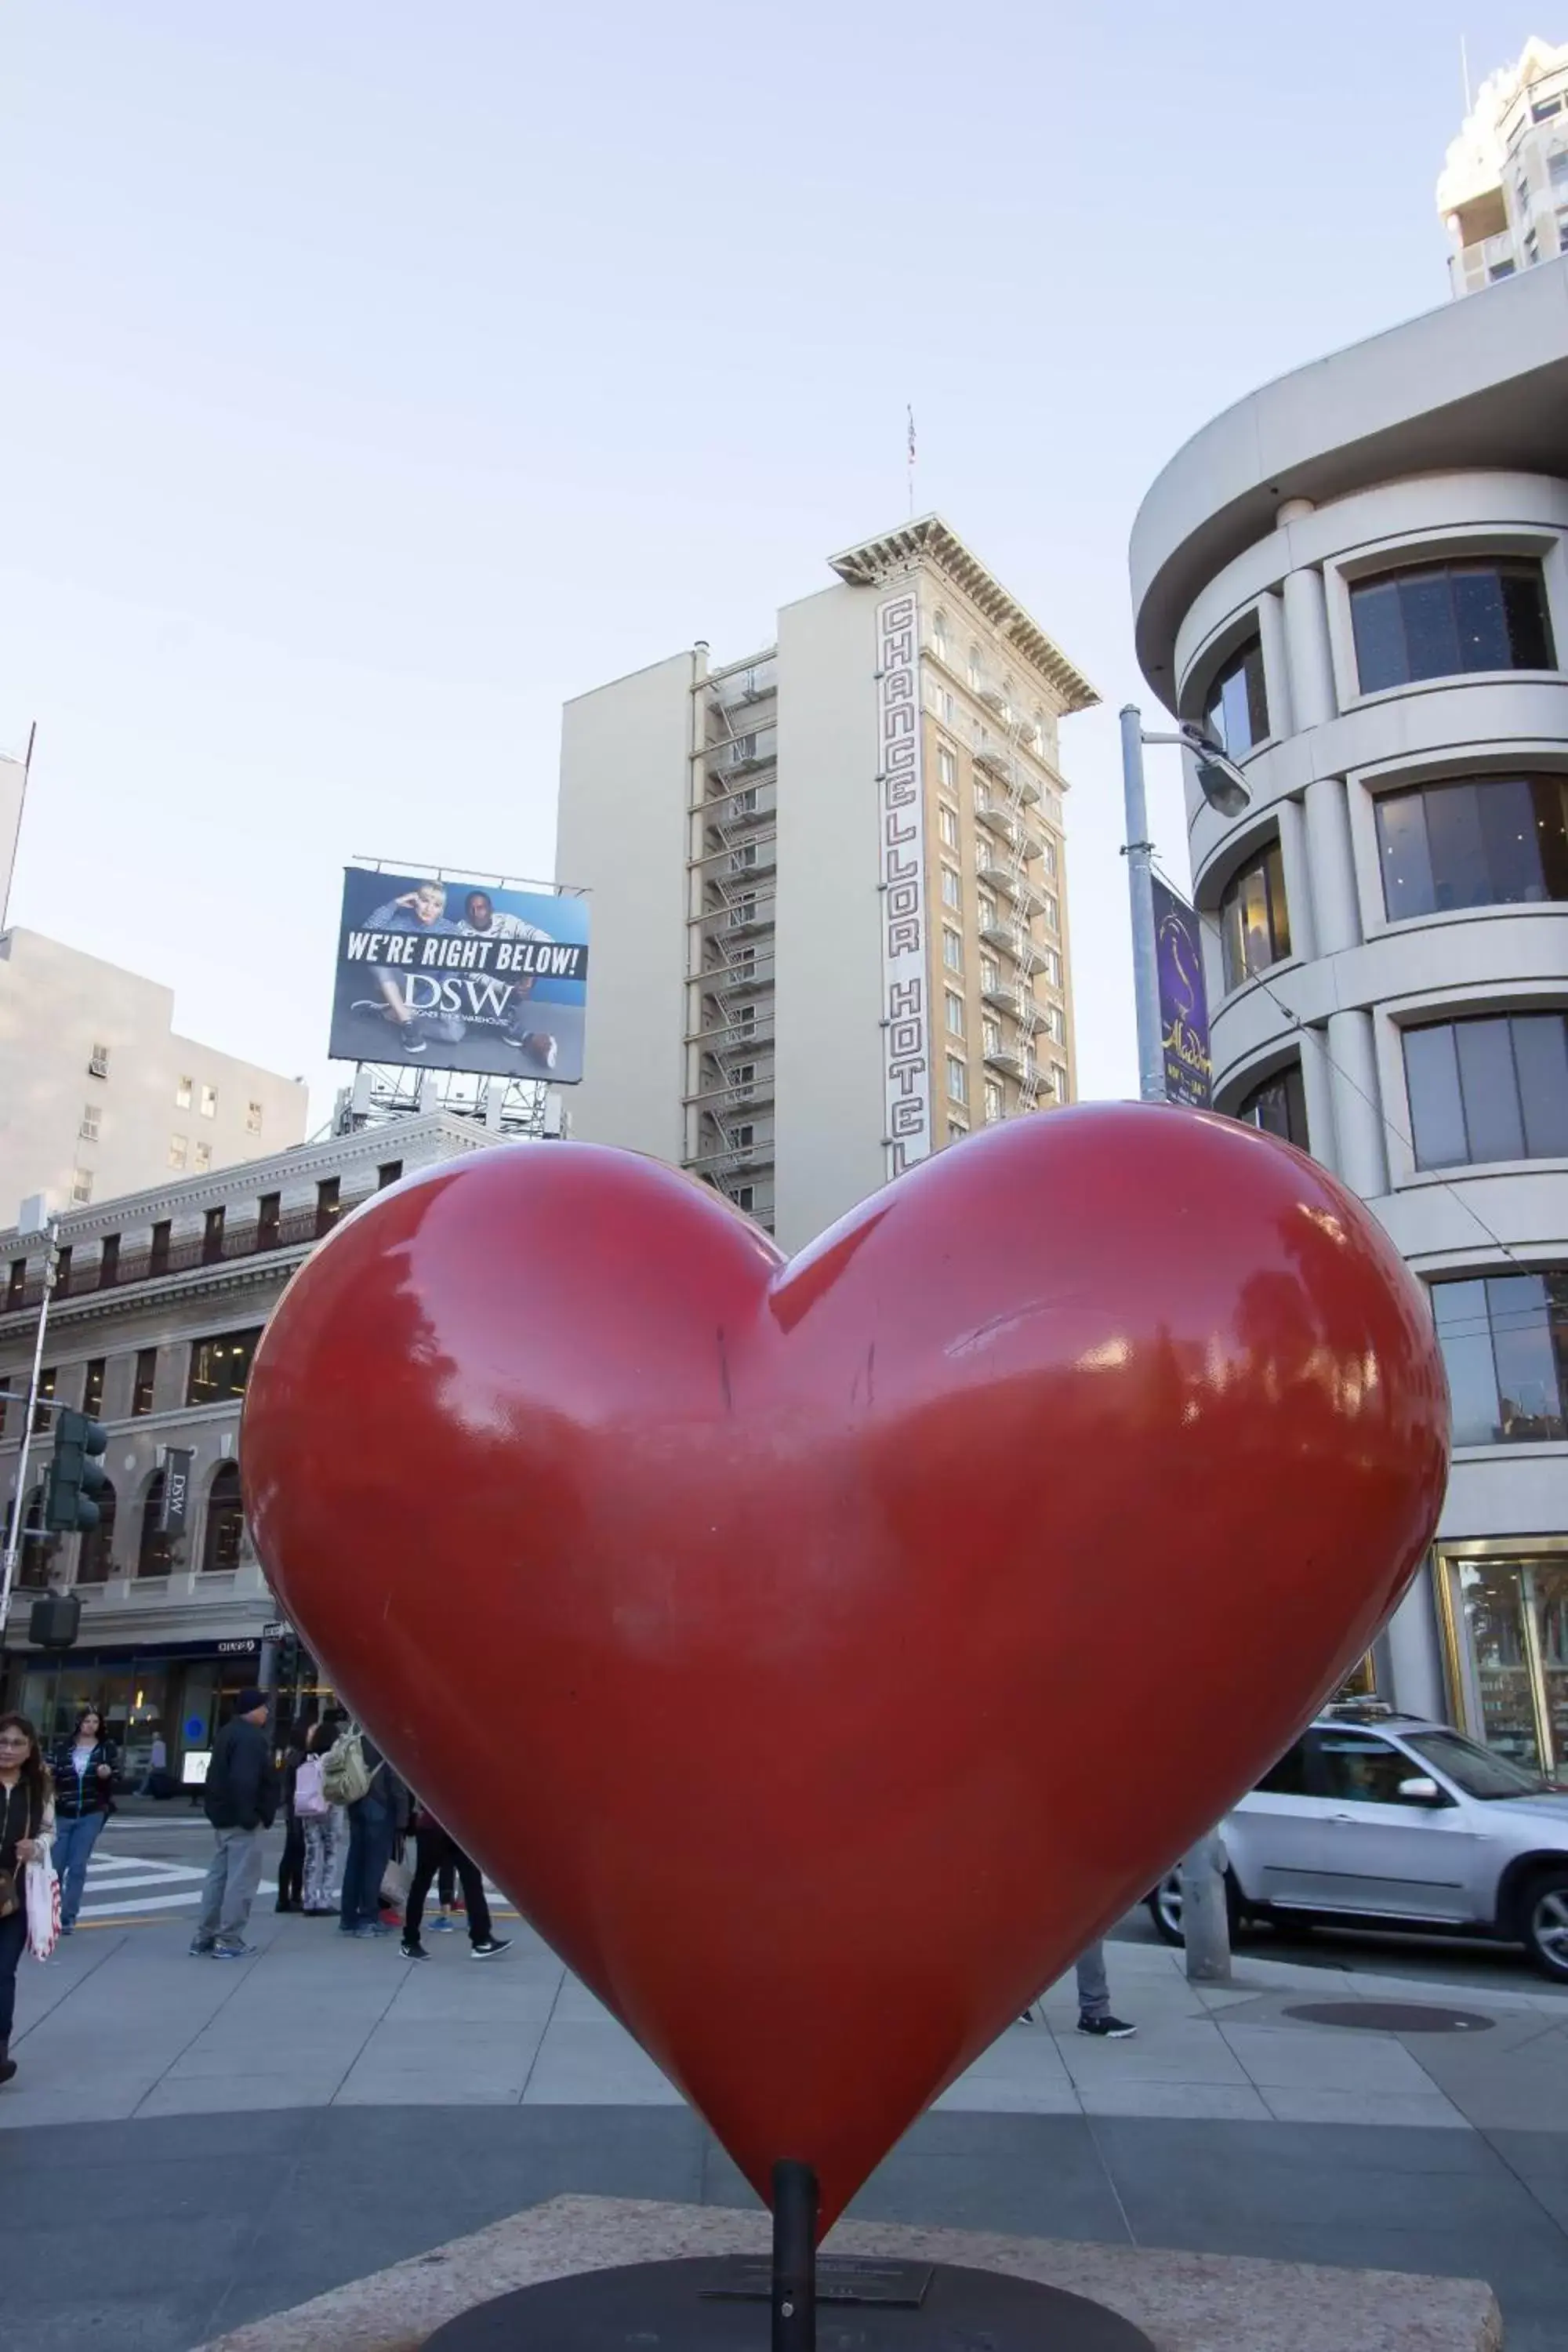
(1394, 1823)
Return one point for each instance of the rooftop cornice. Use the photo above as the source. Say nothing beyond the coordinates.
(927, 540)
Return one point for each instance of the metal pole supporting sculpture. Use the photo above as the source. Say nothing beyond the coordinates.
(844, 1643)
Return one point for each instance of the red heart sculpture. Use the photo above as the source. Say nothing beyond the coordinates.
(821, 1654)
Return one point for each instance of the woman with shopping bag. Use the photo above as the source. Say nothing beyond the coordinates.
(27, 1874)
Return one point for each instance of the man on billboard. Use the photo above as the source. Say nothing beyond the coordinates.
(480, 920)
(423, 909)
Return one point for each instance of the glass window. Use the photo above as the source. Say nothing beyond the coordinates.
(957, 1078)
(946, 767)
(220, 1366)
(202, 1159)
(226, 1520)
(1443, 620)
(252, 1118)
(1360, 1770)
(88, 1129)
(951, 949)
(954, 1006)
(109, 1262)
(994, 1102)
(1491, 1088)
(1235, 708)
(178, 1147)
(1472, 1769)
(947, 825)
(987, 912)
(144, 1382)
(990, 1036)
(328, 1203)
(1051, 912)
(990, 975)
(158, 1257)
(1288, 1777)
(1504, 1339)
(92, 1388)
(1053, 968)
(1499, 842)
(184, 1093)
(389, 1172)
(1254, 921)
(210, 1102)
(951, 888)
(1278, 1107)
(42, 1418)
(81, 1187)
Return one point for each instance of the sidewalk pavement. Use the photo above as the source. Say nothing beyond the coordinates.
(1227, 2126)
(316, 2021)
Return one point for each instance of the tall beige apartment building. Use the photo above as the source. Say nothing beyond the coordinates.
(830, 885)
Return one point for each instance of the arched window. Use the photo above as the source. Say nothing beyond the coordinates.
(33, 1559)
(94, 1564)
(939, 635)
(226, 1520)
(154, 1553)
(976, 668)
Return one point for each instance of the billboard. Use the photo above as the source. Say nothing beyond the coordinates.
(461, 976)
(1183, 999)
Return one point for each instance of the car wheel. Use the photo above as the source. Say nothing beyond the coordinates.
(1165, 1907)
(1545, 1911)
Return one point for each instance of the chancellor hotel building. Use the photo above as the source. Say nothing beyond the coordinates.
(830, 885)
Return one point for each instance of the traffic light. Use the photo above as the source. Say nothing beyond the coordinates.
(75, 1474)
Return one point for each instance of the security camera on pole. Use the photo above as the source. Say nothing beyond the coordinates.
(1206, 1921)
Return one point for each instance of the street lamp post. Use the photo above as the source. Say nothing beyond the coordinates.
(1205, 1920)
(14, 1535)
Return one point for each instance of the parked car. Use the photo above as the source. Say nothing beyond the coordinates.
(1394, 1823)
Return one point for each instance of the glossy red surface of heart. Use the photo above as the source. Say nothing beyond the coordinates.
(821, 1654)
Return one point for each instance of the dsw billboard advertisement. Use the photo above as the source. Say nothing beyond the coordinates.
(455, 976)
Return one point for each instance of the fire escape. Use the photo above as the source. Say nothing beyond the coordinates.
(733, 871)
(1003, 810)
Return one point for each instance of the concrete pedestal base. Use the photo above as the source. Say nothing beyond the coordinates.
(1185, 2302)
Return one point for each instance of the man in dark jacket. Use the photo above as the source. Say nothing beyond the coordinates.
(240, 1798)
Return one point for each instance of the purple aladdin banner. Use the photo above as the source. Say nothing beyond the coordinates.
(1184, 1000)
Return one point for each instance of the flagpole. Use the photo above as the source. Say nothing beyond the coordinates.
(911, 465)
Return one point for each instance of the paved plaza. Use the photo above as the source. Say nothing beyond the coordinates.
(191, 2144)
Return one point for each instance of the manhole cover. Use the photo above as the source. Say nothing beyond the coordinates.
(1391, 2017)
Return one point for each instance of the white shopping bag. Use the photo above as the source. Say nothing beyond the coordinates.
(41, 1892)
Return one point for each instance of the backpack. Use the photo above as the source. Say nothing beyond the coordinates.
(309, 1798)
(345, 1776)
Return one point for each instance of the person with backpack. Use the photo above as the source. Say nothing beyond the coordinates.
(85, 1769)
(240, 1795)
(319, 1825)
(359, 1776)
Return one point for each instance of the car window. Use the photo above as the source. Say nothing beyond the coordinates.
(1289, 1777)
(1363, 1770)
(1475, 1770)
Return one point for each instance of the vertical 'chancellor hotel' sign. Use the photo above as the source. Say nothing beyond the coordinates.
(906, 1012)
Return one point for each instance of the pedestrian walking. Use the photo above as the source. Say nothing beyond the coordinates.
(1094, 2011)
(377, 1821)
(291, 1867)
(85, 1769)
(433, 1849)
(153, 1780)
(26, 1826)
(320, 1822)
(241, 1801)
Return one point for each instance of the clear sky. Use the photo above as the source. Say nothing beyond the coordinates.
(376, 375)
